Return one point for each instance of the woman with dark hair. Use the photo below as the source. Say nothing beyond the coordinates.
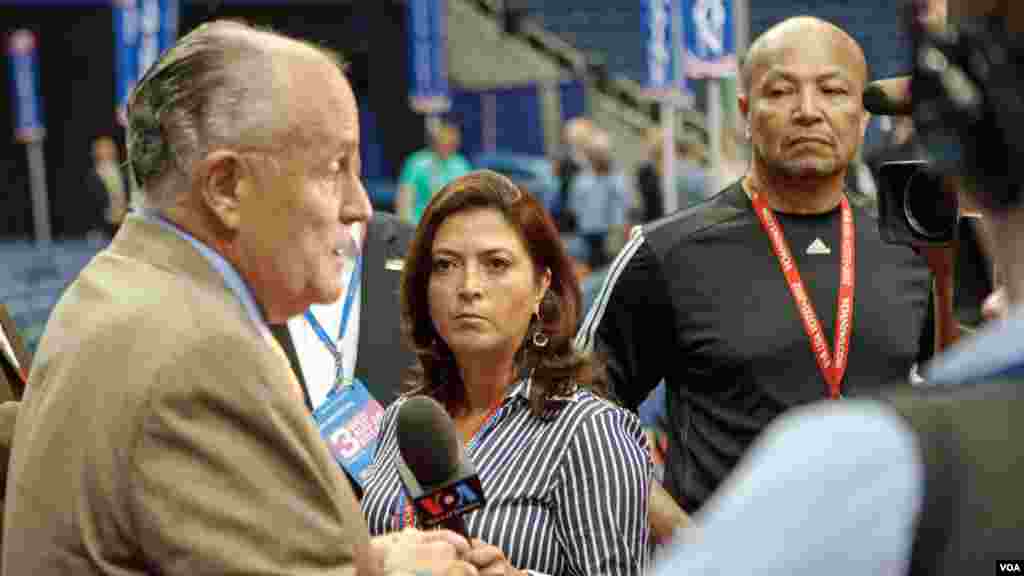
(490, 303)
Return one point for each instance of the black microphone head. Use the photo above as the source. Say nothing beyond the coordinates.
(889, 97)
(427, 440)
(442, 483)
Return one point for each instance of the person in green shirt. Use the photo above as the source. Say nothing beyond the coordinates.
(427, 171)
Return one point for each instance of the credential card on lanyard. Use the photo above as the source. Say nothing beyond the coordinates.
(349, 421)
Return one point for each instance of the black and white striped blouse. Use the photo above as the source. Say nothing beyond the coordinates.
(566, 493)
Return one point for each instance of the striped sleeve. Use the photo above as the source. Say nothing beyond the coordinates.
(603, 482)
(630, 324)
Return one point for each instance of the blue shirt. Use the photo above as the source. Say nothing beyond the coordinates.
(599, 202)
(426, 174)
(996, 349)
(834, 488)
(831, 488)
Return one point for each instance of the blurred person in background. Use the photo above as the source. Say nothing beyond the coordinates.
(599, 199)
(367, 337)
(691, 177)
(707, 302)
(568, 164)
(162, 430)
(107, 183)
(490, 302)
(427, 171)
(351, 352)
(93, 212)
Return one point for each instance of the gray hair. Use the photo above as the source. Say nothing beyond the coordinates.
(215, 88)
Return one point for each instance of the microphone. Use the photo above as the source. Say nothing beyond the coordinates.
(440, 481)
(889, 97)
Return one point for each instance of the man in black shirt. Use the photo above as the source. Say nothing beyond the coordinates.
(738, 309)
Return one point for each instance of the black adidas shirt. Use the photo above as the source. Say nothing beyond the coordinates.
(698, 298)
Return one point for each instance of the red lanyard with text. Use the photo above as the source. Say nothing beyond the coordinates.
(832, 368)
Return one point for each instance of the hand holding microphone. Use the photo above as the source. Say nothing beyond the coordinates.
(413, 551)
(441, 482)
(489, 560)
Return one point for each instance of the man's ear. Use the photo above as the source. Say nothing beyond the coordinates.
(743, 101)
(222, 180)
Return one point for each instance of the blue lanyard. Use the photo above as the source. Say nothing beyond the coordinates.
(346, 310)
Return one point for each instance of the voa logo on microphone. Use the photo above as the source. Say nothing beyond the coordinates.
(459, 497)
(1009, 567)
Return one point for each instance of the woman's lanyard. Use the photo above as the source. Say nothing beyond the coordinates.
(346, 311)
(832, 368)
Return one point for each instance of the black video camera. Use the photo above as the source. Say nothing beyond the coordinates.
(914, 208)
(967, 110)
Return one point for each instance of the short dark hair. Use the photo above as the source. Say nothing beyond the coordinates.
(558, 368)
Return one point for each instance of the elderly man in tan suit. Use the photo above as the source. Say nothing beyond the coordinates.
(162, 431)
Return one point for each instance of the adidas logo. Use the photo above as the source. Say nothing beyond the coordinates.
(818, 247)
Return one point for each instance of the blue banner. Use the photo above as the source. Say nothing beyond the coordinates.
(428, 56)
(149, 36)
(170, 12)
(22, 51)
(659, 73)
(126, 42)
(708, 38)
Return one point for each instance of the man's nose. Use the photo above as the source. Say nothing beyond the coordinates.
(808, 106)
(356, 207)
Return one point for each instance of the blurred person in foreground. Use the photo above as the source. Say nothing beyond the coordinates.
(489, 300)
(777, 291)
(162, 430)
(426, 171)
(927, 481)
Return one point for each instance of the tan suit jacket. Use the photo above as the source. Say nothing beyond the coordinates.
(11, 388)
(159, 434)
(11, 385)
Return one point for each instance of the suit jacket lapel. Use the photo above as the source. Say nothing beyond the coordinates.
(20, 351)
(284, 338)
(15, 385)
